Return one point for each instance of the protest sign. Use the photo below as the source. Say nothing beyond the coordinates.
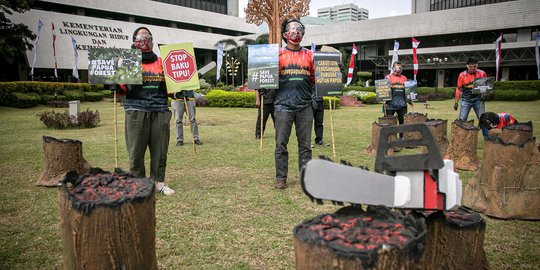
(383, 90)
(410, 90)
(328, 76)
(263, 66)
(179, 67)
(483, 85)
(114, 66)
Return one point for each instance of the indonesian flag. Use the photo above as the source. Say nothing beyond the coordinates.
(40, 25)
(54, 50)
(351, 64)
(497, 56)
(415, 44)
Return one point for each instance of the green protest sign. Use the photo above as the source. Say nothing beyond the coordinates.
(114, 66)
(263, 66)
(328, 77)
(383, 90)
(179, 67)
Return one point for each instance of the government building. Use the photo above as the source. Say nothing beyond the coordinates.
(449, 32)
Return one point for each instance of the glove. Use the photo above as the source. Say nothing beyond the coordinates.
(455, 106)
(114, 88)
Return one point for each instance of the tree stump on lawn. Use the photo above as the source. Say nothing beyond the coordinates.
(507, 184)
(371, 150)
(438, 128)
(107, 221)
(462, 148)
(455, 240)
(60, 157)
(353, 239)
(413, 118)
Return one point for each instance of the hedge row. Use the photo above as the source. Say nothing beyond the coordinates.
(517, 85)
(10, 92)
(221, 98)
(27, 100)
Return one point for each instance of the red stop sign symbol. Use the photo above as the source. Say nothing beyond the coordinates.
(179, 65)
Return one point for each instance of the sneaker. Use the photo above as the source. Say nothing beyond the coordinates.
(162, 188)
(321, 143)
(281, 184)
(197, 142)
(179, 143)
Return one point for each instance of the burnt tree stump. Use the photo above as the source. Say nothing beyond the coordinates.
(107, 221)
(413, 118)
(438, 128)
(371, 150)
(507, 184)
(455, 240)
(353, 239)
(60, 157)
(462, 148)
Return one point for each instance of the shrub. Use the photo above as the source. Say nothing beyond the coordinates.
(515, 95)
(335, 104)
(93, 96)
(200, 101)
(359, 88)
(106, 93)
(58, 103)
(369, 98)
(220, 85)
(357, 94)
(85, 119)
(203, 84)
(517, 85)
(23, 100)
(220, 98)
(74, 95)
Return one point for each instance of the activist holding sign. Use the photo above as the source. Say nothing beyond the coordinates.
(293, 99)
(464, 91)
(398, 103)
(147, 115)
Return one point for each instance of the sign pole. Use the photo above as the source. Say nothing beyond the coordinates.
(115, 132)
(332, 128)
(189, 121)
(261, 107)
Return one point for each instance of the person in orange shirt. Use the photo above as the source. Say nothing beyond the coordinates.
(399, 101)
(490, 120)
(464, 91)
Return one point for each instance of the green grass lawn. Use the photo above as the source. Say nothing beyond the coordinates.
(226, 213)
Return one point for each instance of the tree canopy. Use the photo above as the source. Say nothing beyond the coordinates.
(15, 39)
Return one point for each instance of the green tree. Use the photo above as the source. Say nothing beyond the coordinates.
(15, 39)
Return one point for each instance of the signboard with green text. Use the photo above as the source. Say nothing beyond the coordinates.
(114, 66)
(328, 76)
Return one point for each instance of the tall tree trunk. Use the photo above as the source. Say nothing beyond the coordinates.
(462, 149)
(438, 128)
(413, 118)
(60, 157)
(507, 184)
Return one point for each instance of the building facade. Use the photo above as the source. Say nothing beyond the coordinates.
(345, 12)
(104, 23)
(453, 34)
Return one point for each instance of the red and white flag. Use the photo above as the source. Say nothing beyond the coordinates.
(54, 50)
(351, 64)
(415, 44)
(498, 56)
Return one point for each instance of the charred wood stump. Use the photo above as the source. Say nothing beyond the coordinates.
(371, 150)
(60, 157)
(455, 240)
(413, 118)
(462, 148)
(107, 221)
(376, 239)
(507, 184)
(438, 128)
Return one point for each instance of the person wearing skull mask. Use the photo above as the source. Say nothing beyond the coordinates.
(464, 91)
(398, 103)
(147, 115)
(293, 99)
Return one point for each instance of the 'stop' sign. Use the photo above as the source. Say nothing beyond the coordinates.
(180, 67)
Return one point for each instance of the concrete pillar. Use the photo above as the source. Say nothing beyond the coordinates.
(74, 106)
(440, 79)
(505, 74)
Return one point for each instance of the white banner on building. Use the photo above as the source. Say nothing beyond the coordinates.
(394, 55)
(498, 56)
(40, 25)
(219, 60)
(75, 72)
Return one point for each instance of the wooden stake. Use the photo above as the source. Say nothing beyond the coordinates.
(189, 124)
(332, 128)
(262, 118)
(115, 132)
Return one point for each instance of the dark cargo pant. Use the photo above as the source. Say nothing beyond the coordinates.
(303, 122)
(148, 129)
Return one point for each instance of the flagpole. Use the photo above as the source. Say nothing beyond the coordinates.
(115, 132)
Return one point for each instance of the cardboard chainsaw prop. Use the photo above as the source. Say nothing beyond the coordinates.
(416, 181)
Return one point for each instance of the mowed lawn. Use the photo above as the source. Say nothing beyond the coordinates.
(226, 213)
